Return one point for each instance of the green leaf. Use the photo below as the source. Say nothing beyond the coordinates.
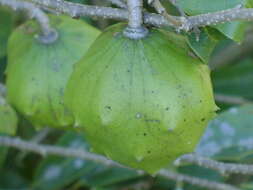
(105, 176)
(233, 30)
(195, 7)
(3, 153)
(202, 47)
(11, 179)
(247, 186)
(6, 26)
(57, 172)
(229, 136)
(235, 79)
(8, 125)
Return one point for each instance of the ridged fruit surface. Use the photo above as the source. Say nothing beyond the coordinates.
(8, 119)
(141, 102)
(37, 73)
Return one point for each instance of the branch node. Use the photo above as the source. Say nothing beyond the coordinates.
(47, 38)
(135, 33)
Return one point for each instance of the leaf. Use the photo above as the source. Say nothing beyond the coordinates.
(247, 186)
(3, 63)
(8, 125)
(229, 136)
(235, 79)
(105, 176)
(195, 7)
(200, 172)
(3, 153)
(233, 30)
(11, 179)
(6, 25)
(57, 172)
(202, 47)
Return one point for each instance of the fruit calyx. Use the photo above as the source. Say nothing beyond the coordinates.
(135, 33)
(48, 38)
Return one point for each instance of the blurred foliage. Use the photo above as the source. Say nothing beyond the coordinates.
(228, 137)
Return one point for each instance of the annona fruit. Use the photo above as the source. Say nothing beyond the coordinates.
(8, 118)
(141, 102)
(37, 72)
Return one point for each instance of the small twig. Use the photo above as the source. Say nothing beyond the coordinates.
(53, 150)
(231, 99)
(40, 136)
(223, 168)
(152, 19)
(81, 153)
(33, 12)
(161, 10)
(118, 3)
(174, 2)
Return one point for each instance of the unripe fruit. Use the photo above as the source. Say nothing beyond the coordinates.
(141, 102)
(37, 73)
(8, 119)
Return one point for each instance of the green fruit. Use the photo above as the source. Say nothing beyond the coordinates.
(37, 73)
(141, 102)
(8, 119)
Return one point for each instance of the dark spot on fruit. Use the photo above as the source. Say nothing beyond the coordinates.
(167, 109)
(179, 86)
(200, 101)
(148, 151)
(152, 121)
(184, 120)
(108, 107)
(128, 71)
(203, 119)
(152, 91)
(144, 134)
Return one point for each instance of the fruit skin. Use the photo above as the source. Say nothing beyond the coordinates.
(37, 73)
(141, 102)
(8, 119)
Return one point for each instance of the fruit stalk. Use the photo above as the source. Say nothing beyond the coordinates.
(135, 13)
(135, 29)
